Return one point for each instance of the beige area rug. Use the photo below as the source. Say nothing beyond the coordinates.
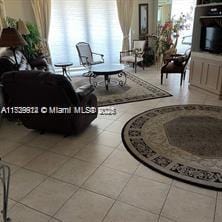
(135, 90)
(183, 142)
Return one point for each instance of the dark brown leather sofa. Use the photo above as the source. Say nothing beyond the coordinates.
(44, 89)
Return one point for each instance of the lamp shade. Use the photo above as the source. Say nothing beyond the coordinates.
(11, 38)
(22, 28)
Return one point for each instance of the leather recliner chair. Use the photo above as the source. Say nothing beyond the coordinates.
(44, 89)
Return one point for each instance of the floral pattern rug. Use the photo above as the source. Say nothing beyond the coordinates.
(135, 90)
(182, 141)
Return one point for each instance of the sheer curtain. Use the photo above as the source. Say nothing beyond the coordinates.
(42, 12)
(92, 21)
(2, 15)
(125, 12)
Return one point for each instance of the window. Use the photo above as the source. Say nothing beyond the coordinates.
(92, 21)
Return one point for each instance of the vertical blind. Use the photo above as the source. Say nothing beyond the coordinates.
(92, 21)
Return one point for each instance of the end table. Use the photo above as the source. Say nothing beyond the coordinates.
(64, 68)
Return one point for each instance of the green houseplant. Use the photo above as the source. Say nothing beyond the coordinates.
(33, 47)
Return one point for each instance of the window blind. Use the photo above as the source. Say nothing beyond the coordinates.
(92, 21)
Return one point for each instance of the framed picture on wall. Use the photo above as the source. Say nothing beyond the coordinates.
(143, 20)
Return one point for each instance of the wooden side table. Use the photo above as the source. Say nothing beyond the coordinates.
(64, 68)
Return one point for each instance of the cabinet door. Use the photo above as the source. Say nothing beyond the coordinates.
(213, 79)
(196, 72)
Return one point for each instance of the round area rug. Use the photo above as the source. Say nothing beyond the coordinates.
(183, 141)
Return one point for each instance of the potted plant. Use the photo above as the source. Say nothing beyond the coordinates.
(166, 41)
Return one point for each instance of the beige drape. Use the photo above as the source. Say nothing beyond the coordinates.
(2, 15)
(42, 12)
(125, 13)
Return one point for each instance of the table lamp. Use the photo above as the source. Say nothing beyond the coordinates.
(22, 28)
(11, 38)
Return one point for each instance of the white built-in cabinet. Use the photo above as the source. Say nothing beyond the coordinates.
(205, 68)
(206, 72)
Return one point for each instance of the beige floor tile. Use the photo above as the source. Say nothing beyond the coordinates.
(107, 139)
(107, 181)
(213, 101)
(85, 206)
(102, 123)
(49, 196)
(164, 219)
(218, 214)
(11, 203)
(45, 141)
(144, 171)
(47, 163)
(24, 136)
(122, 160)
(185, 206)
(121, 212)
(7, 146)
(121, 147)
(115, 127)
(22, 182)
(220, 195)
(94, 153)
(20, 213)
(86, 136)
(75, 171)
(54, 220)
(196, 189)
(145, 194)
(22, 155)
(67, 147)
(12, 167)
(16, 132)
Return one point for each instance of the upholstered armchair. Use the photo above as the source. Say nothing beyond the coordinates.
(176, 64)
(135, 55)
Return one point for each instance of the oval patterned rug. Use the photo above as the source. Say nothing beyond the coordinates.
(182, 141)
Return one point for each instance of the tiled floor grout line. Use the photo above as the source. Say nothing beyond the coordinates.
(117, 198)
(46, 178)
(215, 209)
(81, 186)
(184, 189)
(25, 205)
(50, 176)
(171, 185)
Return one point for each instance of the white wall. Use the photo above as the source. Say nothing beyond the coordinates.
(20, 9)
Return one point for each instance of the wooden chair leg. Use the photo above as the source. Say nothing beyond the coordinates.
(135, 67)
(166, 75)
(161, 78)
(181, 79)
(184, 75)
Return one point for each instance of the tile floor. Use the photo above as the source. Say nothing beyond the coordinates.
(92, 178)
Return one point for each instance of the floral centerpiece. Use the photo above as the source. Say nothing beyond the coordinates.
(166, 41)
